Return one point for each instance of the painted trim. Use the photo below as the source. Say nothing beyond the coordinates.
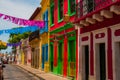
(69, 9)
(65, 62)
(66, 26)
(100, 35)
(115, 50)
(109, 54)
(96, 52)
(91, 55)
(86, 38)
(72, 32)
(117, 32)
(52, 5)
(73, 38)
(60, 20)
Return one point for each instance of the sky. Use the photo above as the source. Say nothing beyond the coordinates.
(16, 8)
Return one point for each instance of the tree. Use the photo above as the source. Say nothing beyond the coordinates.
(14, 38)
(3, 45)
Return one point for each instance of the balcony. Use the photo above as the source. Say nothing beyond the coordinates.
(93, 11)
(34, 35)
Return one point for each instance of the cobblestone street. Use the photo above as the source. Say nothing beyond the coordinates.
(12, 72)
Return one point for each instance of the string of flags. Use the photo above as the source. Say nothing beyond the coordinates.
(10, 44)
(20, 30)
(30, 25)
(22, 22)
(14, 44)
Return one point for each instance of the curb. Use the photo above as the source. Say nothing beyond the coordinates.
(69, 78)
(31, 73)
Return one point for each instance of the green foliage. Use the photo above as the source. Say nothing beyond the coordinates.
(14, 38)
(3, 47)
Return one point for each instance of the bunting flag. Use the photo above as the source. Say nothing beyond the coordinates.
(14, 44)
(10, 44)
(22, 22)
(20, 30)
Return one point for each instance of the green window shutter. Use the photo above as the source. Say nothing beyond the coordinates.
(72, 50)
(51, 52)
(60, 10)
(71, 7)
(52, 14)
(60, 52)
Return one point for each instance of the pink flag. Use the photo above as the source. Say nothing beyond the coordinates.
(20, 21)
(1, 15)
(16, 20)
(6, 17)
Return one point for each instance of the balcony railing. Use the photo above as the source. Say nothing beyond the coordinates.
(34, 35)
(85, 7)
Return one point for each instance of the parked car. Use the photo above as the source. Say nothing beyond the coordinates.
(1, 69)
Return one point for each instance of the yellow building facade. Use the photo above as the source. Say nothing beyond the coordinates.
(22, 57)
(35, 43)
(45, 35)
(41, 45)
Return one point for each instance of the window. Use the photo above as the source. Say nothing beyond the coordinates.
(46, 58)
(90, 5)
(71, 7)
(46, 21)
(60, 9)
(52, 14)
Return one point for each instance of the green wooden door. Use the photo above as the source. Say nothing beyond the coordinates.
(71, 58)
(60, 58)
(51, 57)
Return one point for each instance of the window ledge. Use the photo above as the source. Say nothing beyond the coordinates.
(72, 14)
(60, 20)
(51, 25)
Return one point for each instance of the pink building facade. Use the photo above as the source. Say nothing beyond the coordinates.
(18, 55)
(27, 51)
(98, 24)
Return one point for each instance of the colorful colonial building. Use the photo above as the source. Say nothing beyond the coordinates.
(41, 59)
(44, 35)
(98, 24)
(34, 40)
(27, 51)
(63, 38)
(18, 55)
(24, 52)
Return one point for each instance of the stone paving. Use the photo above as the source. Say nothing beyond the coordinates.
(42, 74)
(12, 72)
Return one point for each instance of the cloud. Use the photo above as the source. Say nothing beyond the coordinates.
(17, 8)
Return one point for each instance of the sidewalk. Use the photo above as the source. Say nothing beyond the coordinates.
(42, 74)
